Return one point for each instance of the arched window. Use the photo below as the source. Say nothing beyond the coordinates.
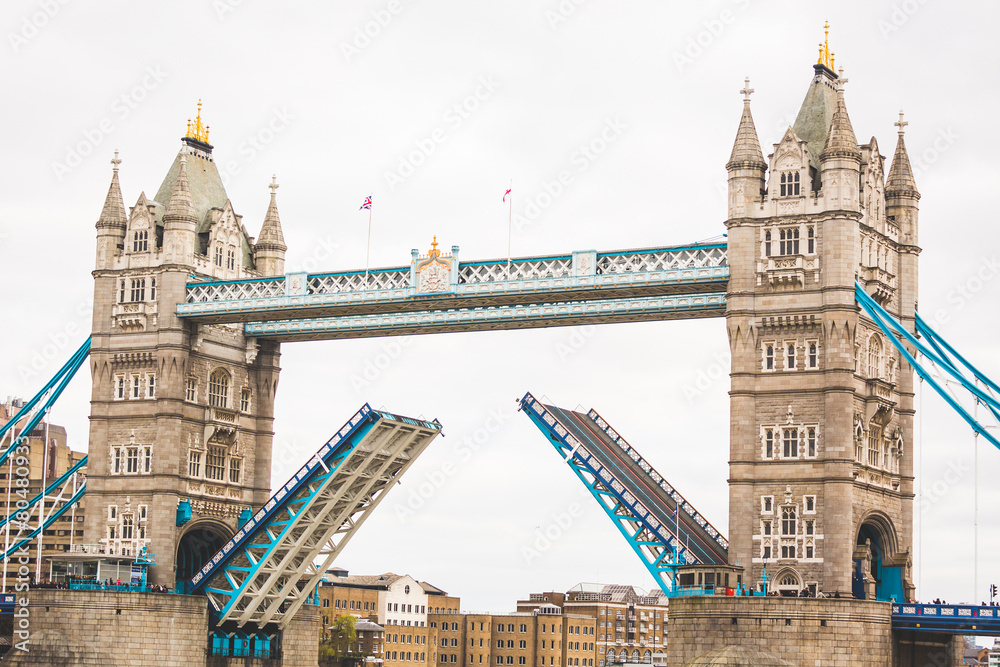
(127, 526)
(635, 655)
(140, 241)
(218, 389)
(231, 258)
(875, 356)
(767, 243)
(612, 655)
(789, 580)
(218, 255)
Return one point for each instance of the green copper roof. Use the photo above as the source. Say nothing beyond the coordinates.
(816, 112)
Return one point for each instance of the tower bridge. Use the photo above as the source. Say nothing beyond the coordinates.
(817, 281)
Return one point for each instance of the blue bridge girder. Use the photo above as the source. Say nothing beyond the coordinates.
(619, 286)
(661, 527)
(275, 561)
(953, 619)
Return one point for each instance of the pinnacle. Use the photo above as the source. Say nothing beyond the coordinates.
(270, 231)
(900, 180)
(840, 140)
(180, 199)
(746, 148)
(113, 213)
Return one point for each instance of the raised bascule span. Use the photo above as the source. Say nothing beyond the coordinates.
(662, 528)
(274, 562)
(437, 293)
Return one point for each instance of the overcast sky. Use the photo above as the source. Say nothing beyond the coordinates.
(433, 108)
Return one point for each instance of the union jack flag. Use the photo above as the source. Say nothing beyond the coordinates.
(367, 204)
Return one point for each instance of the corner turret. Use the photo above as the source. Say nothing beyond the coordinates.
(112, 223)
(269, 251)
(746, 164)
(841, 158)
(901, 191)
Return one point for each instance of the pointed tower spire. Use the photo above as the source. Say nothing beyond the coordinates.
(901, 181)
(269, 251)
(180, 199)
(113, 213)
(746, 148)
(840, 140)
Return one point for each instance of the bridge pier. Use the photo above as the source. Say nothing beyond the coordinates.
(103, 628)
(913, 648)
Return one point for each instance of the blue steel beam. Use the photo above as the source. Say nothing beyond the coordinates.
(584, 276)
(269, 567)
(46, 493)
(58, 511)
(602, 311)
(899, 336)
(947, 618)
(650, 537)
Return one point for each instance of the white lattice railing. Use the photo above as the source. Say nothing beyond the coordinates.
(704, 261)
(235, 291)
(332, 283)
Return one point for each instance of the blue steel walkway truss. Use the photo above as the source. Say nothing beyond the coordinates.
(661, 527)
(274, 562)
(951, 619)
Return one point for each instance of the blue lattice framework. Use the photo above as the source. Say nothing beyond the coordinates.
(480, 294)
(942, 365)
(947, 618)
(60, 495)
(274, 562)
(656, 540)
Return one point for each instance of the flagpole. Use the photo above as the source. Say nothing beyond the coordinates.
(510, 206)
(368, 250)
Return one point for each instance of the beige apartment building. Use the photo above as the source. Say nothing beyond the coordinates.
(55, 462)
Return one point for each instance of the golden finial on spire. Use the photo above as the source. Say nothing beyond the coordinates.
(196, 130)
(825, 57)
(434, 252)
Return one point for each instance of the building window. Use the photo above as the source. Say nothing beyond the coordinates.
(151, 386)
(116, 462)
(231, 259)
(811, 442)
(788, 241)
(768, 443)
(790, 443)
(790, 356)
(112, 512)
(140, 241)
(810, 240)
(234, 477)
(218, 389)
(121, 291)
(767, 504)
(191, 391)
(812, 358)
(215, 463)
(768, 356)
(120, 388)
(788, 550)
(810, 527)
(875, 356)
(809, 503)
(789, 183)
(809, 551)
(135, 386)
(874, 443)
(245, 399)
(152, 289)
(127, 526)
(131, 460)
(789, 522)
(767, 243)
(218, 255)
(138, 291)
(765, 528)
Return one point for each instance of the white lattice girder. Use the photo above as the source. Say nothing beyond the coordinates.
(285, 573)
(620, 274)
(495, 318)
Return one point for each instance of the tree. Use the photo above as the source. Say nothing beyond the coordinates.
(341, 638)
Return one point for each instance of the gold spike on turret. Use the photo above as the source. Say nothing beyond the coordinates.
(196, 130)
(825, 57)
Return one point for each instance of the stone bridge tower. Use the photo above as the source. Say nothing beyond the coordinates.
(821, 461)
(181, 414)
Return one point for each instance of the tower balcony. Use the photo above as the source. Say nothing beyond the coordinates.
(221, 424)
(135, 316)
(787, 271)
(879, 283)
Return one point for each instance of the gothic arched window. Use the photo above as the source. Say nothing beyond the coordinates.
(875, 356)
(218, 389)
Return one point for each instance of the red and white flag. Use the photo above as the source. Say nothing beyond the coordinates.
(505, 195)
